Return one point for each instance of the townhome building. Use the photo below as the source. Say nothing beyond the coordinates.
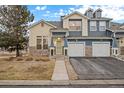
(75, 35)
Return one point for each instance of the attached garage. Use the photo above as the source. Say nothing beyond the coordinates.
(100, 49)
(76, 49)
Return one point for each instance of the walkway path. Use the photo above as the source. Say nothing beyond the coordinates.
(60, 71)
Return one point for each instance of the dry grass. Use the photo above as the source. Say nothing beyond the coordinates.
(22, 70)
(27, 58)
(71, 72)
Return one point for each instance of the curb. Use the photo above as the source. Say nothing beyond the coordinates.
(61, 82)
(33, 82)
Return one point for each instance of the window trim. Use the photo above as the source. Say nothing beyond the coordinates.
(42, 42)
(102, 26)
(75, 20)
(93, 26)
(46, 38)
(39, 38)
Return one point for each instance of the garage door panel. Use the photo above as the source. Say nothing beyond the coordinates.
(101, 49)
(76, 49)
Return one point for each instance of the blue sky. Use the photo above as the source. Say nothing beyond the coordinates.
(53, 12)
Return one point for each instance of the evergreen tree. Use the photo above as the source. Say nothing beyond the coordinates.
(14, 21)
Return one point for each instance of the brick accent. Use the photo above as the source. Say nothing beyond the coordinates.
(33, 51)
(88, 51)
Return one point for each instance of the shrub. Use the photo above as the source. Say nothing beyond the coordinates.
(29, 59)
(38, 59)
(11, 58)
(19, 59)
(45, 59)
(7, 59)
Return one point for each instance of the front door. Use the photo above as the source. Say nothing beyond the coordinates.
(59, 46)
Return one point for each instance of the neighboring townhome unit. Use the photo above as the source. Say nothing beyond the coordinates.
(118, 39)
(75, 35)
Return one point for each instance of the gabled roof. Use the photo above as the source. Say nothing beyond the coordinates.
(101, 18)
(41, 22)
(76, 12)
(98, 10)
(58, 24)
(89, 9)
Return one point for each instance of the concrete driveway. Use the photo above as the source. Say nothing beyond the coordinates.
(98, 68)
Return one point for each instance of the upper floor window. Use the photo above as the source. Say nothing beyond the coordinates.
(102, 25)
(90, 14)
(92, 25)
(75, 24)
(98, 14)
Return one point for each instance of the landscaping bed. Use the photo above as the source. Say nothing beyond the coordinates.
(26, 68)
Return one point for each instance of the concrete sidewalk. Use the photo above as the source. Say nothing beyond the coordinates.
(60, 71)
(61, 82)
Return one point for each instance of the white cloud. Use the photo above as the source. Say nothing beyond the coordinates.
(47, 12)
(41, 8)
(110, 11)
(37, 8)
(61, 12)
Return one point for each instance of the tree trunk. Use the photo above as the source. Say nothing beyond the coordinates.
(17, 50)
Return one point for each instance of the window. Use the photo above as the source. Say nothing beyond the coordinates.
(45, 42)
(116, 51)
(98, 14)
(65, 52)
(75, 24)
(121, 41)
(39, 42)
(42, 42)
(102, 26)
(92, 25)
(90, 14)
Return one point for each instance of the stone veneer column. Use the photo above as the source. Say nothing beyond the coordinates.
(88, 51)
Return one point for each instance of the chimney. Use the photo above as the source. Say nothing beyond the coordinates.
(62, 20)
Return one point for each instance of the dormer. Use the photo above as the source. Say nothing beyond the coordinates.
(98, 13)
(89, 13)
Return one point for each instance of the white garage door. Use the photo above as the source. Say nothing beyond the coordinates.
(101, 49)
(76, 49)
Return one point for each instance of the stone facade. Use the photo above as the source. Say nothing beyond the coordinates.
(121, 50)
(88, 51)
(34, 52)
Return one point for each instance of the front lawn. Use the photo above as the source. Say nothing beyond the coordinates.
(26, 68)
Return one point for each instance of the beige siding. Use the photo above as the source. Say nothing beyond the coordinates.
(85, 27)
(38, 31)
(121, 42)
(65, 23)
(84, 23)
